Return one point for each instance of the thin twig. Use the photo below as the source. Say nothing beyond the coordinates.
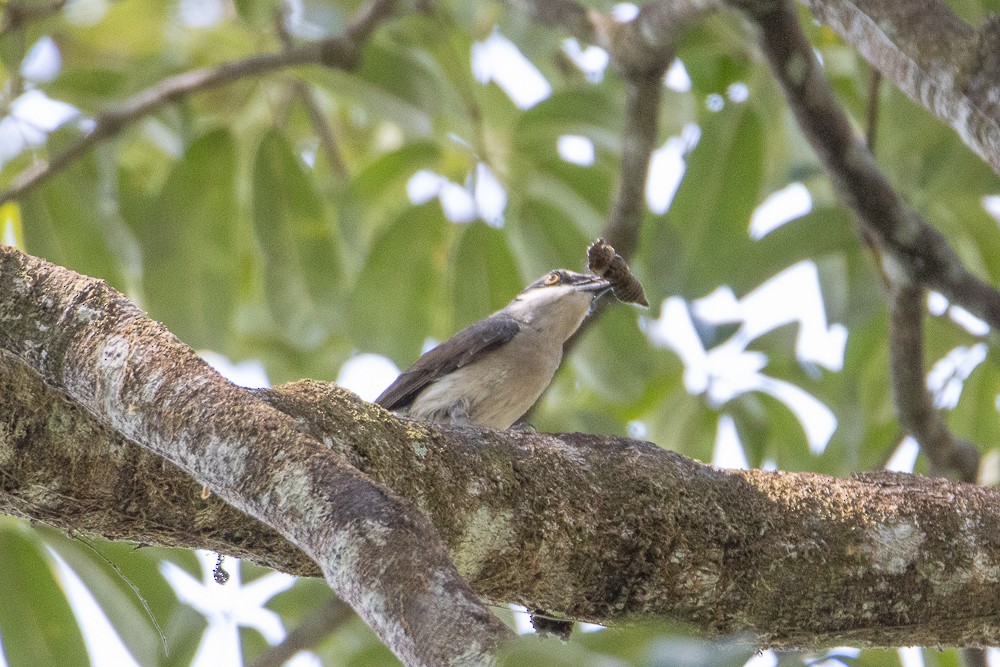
(318, 625)
(871, 134)
(340, 52)
(324, 131)
(17, 14)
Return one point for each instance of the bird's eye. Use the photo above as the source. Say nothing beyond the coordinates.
(552, 279)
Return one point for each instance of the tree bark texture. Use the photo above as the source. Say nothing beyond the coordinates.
(601, 529)
(378, 553)
(935, 58)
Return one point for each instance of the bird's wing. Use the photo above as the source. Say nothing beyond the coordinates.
(460, 350)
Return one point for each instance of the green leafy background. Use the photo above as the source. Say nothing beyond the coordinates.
(225, 217)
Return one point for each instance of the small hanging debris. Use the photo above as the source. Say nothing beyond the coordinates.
(219, 574)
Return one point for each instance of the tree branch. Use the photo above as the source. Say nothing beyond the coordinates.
(905, 241)
(343, 52)
(600, 529)
(948, 455)
(378, 553)
(17, 13)
(320, 623)
(939, 61)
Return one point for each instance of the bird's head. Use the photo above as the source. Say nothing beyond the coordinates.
(559, 298)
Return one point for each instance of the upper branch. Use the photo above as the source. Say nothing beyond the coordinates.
(603, 529)
(930, 54)
(906, 241)
(343, 52)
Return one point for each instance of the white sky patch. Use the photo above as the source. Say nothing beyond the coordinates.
(793, 295)
(624, 11)
(677, 78)
(423, 186)
(576, 149)
(637, 430)
(230, 607)
(31, 117)
(738, 92)
(8, 237)
(778, 208)
(249, 373)
(298, 23)
(490, 196)
(200, 13)
(968, 321)
(992, 205)
(522, 622)
(937, 303)
(834, 657)
(817, 420)
(498, 59)
(947, 377)
(911, 656)
(905, 457)
(457, 202)
(482, 198)
(43, 61)
(729, 369)
(728, 451)
(666, 168)
(104, 645)
(367, 375)
(592, 61)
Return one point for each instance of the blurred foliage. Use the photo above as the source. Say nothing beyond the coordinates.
(228, 218)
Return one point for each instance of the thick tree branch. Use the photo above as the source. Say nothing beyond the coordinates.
(930, 54)
(602, 529)
(377, 552)
(342, 52)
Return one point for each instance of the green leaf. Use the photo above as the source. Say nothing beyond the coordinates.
(36, 622)
(378, 193)
(586, 111)
(397, 299)
(193, 244)
(65, 223)
(617, 361)
(126, 599)
(544, 237)
(258, 13)
(485, 276)
(821, 231)
(301, 261)
(701, 243)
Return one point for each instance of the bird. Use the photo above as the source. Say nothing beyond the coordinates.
(491, 372)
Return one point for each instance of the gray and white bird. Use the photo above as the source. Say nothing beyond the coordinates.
(493, 371)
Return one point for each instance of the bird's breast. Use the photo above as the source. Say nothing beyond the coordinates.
(499, 388)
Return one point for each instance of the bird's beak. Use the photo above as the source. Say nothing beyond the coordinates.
(594, 284)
